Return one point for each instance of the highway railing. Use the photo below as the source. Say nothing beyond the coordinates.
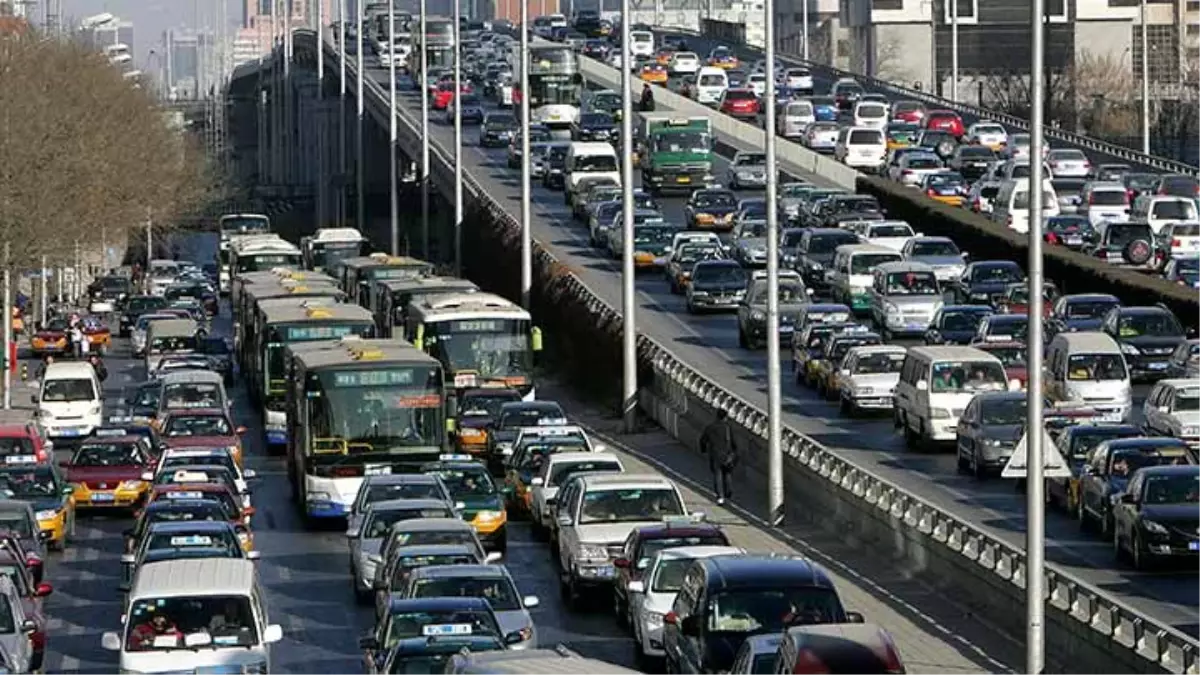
(734, 36)
(1132, 639)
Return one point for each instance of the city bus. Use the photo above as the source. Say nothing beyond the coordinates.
(284, 282)
(261, 254)
(358, 275)
(245, 326)
(437, 43)
(393, 296)
(284, 321)
(329, 245)
(359, 408)
(234, 226)
(554, 84)
(480, 339)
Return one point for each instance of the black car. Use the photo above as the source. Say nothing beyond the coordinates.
(716, 285)
(1073, 232)
(1155, 517)
(846, 93)
(510, 419)
(710, 208)
(478, 409)
(983, 282)
(588, 22)
(972, 161)
(1147, 336)
(815, 253)
(858, 207)
(219, 354)
(1083, 311)
(1109, 469)
(955, 324)
(197, 291)
(553, 176)
(594, 126)
(1139, 183)
(497, 129)
(135, 307)
(112, 288)
(596, 49)
(1178, 185)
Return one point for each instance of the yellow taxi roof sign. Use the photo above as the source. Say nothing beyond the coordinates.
(318, 313)
(366, 354)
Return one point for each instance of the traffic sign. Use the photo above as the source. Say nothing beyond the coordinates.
(1052, 459)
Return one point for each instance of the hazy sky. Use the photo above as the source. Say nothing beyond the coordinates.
(151, 17)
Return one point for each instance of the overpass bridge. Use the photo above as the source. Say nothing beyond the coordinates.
(967, 534)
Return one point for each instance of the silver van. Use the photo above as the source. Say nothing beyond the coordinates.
(1089, 368)
(794, 118)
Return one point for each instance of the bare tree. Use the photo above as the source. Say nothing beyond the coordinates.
(83, 154)
(890, 64)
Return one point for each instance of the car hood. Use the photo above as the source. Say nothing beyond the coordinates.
(929, 302)
(717, 288)
(988, 286)
(214, 661)
(749, 168)
(475, 421)
(370, 546)
(113, 474)
(513, 620)
(717, 210)
(200, 441)
(1004, 432)
(957, 336)
(1084, 324)
(752, 243)
(1176, 515)
(877, 380)
(608, 533)
(939, 260)
(1152, 341)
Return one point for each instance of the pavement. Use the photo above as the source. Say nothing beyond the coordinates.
(710, 344)
(308, 589)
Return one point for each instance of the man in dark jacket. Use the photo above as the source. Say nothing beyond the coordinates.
(717, 442)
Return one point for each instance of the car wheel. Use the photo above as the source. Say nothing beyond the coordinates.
(1142, 559)
(1082, 517)
(845, 407)
(963, 467)
(910, 436)
(1118, 550)
(977, 471)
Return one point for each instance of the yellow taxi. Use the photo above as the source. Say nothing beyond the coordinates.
(901, 135)
(52, 497)
(106, 472)
(664, 56)
(947, 187)
(50, 338)
(654, 73)
(483, 507)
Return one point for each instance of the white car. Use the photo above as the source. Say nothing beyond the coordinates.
(988, 134)
(798, 79)
(913, 166)
(1069, 163)
(1180, 240)
(641, 43)
(757, 82)
(893, 234)
(869, 376)
(555, 471)
(1173, 409)
(651, 598)
(1102, 202)
(684, 63)
(904, 297)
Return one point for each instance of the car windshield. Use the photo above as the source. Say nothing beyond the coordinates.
(500, 121)
(180, 512)
(17, 522)
(164, 624)
(1116, 197)
(864, 263)
(912, 283)
(1172, 489)
(652, 546)
(108, 454)
(1010, 356)
(827, 243)
(755, 610)
(704, 200)
(31, 483)
(887, 231)
(653, 235)
(865, 137)
(1186, 400)
(1155, 324)
(1174, 209)
(963, 377)
(595, 119)
(486, 404)
(467, 482)
(1004, 411)
(379, 521)
(191, 395)
(561, 471)
(61, 390)
(1089, 309)
(750, 159)
(668, 578)
(1096, 367)
(625, 505)
(1125, 461)
(408, 625)
(879, 364)
(198, 425)
(691, 254)
(382, 492)
(498, 591)
(934, 249)
(719, 274)
(223, 544)
(993, 273)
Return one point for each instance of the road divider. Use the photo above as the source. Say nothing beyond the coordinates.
(1088, 630)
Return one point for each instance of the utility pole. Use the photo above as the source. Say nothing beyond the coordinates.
(424, 85)
(342, 168)
(526, 177)
(954, 49)
(774, 382)
(320, 154)
(360, 211)
(629, 381)
(458, 162)
(1145, 82)
(8, 345)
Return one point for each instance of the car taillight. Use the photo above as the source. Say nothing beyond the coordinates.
(808, 662)
(1052, 238)
(906, 172)
(1176, 242)
(931, 192)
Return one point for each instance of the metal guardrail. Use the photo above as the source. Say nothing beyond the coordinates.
(1097, 611)
(734, 35)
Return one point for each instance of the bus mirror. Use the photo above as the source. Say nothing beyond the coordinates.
(451, 407)
(419, 338)
(535, 338)
(450, 427)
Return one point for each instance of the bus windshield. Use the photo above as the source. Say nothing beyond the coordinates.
(245, 225)
(277, 336)
(263, 262)
(325, 256)
(494, 348)
(389, 408)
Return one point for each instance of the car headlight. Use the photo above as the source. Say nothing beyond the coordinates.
(257, 668)
(757, 316)
(939, 413)
(46, 514)
(94, 410)
(654, 620)
(1190, 431)
(993, 442)
(815, 266)
(1153, 527)
(489, 515)
(130, 485)
(592, 552)
(320, 497)
(1129, 349)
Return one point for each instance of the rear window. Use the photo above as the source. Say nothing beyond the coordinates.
(1186, 230)
(865, 137)
(712, 80)
(872, 111)
(739, 95)
(1109, 198)
(1174, 210)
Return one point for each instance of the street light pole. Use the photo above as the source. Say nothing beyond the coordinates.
(424, 85)
(393, 179)
(458, 175)
(341, 207)
(1145, 83)
(526, 160)
(774, 411)
(629, 383)
(805, 29)
(320, 154)
(953, 49)
(360, 177)
(1035, 503)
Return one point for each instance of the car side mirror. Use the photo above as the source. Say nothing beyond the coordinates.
(352, 533)
(249, 474)
(493, 557)
(690, 626)
(564, 521)
(43, 590)
(514, 638)
(110, 641)
(128, 559)
(537, 480)
(922, 385)
(240, 431)
(1129, 499)
(636, 587)
(147, 476)
(854, 617)
(253, 555)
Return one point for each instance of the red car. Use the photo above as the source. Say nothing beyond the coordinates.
(1012, 357)
(444, 94)
(32, 596)
(912, 112)
(202, 427)
(1016, 299)
(23, 441)
(945, 120)
(740, 103)
(107, 472)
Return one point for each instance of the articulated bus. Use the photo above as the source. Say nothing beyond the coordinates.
(359, 408)
(358, 275)
(280, 283)
(393, 296)
(284, 321)
(329, 245)
(480, 339)
(554, 84)
(437, 43)
(245, 326)
(233, 226)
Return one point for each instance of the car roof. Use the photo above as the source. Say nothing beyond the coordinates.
(764, 570)
(404, 504)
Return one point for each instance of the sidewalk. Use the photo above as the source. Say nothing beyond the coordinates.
(934, 634)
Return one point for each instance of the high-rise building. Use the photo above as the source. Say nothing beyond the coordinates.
(189, 69)
(109, 33)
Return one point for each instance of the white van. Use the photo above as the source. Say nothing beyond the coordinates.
(1011, 207)
(711, 84)
(794, 118)
(871, 115)
(589, 160)
(861, 148)
(852, 272)
(215, 615)
(1158, 210)
(936, 384)
(69, 403)
(641, 43)
(1089, 368)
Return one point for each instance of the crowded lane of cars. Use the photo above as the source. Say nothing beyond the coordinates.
(713, 340)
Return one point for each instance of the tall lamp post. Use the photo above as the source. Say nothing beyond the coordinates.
(424, 85)
(393, 179)
(526, 191)
(629, 381)
(774, 428)
(360, 203)
(458, 174)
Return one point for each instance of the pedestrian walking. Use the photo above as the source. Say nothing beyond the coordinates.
(717, 442)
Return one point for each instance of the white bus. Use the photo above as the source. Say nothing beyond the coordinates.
(329, 245)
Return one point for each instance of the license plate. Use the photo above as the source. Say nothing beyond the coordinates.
(1157, 366)
(604, 571)
(914, 326)
(683, 179)
(103, 497)
(786, 329)
(1075, 240)
(1194, 545)
(68, 432)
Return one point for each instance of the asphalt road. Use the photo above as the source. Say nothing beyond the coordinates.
(822, 81)
(710, 344)
(305, 573)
